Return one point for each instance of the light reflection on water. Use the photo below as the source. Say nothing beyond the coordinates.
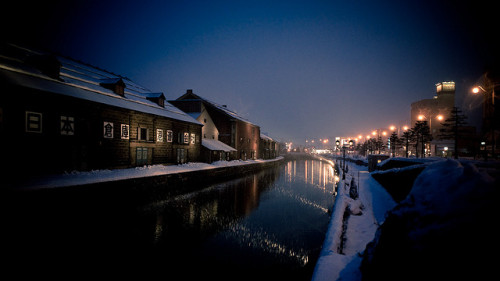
(264, 225)
(272, 219)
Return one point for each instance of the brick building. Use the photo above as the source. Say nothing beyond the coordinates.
(234, 130)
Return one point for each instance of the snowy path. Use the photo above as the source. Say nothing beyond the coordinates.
(97, 176)
(374, 202)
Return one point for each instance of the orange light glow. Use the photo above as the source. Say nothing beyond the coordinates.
(421, 117)
(440, 117)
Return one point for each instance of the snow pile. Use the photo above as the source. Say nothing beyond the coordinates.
(347, 236)
(443, 229)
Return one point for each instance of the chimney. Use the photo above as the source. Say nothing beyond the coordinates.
(189, 91)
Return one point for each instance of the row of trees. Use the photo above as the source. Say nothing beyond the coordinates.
(419, 135)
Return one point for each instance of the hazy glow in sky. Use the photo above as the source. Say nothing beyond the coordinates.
(299, 69)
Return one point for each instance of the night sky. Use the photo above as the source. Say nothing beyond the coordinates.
(298, 69)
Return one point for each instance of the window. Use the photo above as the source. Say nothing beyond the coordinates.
(193, 138)
(186, 138)
(142, 134)
(170, 136)
(33, 122)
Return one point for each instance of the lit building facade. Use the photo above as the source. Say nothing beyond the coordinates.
(435, 111)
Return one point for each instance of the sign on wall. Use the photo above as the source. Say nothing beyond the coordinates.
(159, 135)
(67, 126)
(108, 130)
(170, 135)
(125, 131)
(33, 122)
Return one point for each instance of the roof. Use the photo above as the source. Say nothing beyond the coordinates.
(265, 137)
(83, 81)
(216, 145)
(222, 108)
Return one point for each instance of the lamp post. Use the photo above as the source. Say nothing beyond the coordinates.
(480, 89)
(439, 117)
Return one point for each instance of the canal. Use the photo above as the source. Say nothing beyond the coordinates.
(263, 226)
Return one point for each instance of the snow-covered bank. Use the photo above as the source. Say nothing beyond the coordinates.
(98, 176)
(373, 202)
(443, 229)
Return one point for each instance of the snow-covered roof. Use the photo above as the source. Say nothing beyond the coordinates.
(265, 137)
(223, 108)
(216, 145)
(82, 81)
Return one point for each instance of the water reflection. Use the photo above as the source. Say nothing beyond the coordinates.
(270, 223)
(317, 173)
(262, 226)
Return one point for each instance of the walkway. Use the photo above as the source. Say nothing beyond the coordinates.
(353, 225)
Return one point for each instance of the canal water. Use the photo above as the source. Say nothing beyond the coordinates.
(263, 226)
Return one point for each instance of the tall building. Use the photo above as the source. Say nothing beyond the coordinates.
(435, 111)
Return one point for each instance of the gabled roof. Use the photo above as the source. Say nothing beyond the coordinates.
(189, 95)
(83, 81)
(216, 145)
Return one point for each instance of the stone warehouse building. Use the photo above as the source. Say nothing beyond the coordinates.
(58, 114)
(233, 130)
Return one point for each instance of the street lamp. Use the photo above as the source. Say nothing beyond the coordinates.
(477, 90)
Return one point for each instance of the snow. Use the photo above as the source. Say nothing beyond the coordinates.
(373, 203)
(450, 200)
(83, 82)
(96, 176)
(216, 145)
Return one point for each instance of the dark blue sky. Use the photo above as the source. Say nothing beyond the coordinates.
(299, 69)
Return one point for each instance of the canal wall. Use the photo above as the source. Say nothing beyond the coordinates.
(149, 187)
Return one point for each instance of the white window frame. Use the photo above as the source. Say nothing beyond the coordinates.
(140, 135)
